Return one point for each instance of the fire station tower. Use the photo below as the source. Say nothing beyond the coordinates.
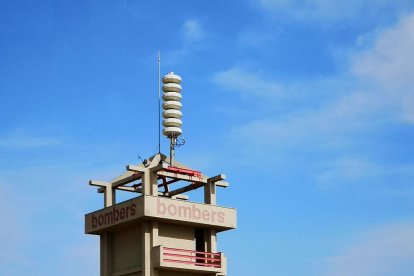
(160, 232)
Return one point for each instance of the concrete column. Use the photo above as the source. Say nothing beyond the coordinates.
(149, 183)
(210, 234)
(106, 238)
(154, 234)
(106, 254)
(210, 193)
(154, 184)
(146, 248)
(210, 240)
(154, 242)
(109, 196)
(149, 228)
(146, 182)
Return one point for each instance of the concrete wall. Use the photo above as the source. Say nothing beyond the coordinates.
(176, 236)
(127, 244)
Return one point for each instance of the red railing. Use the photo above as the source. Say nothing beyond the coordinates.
(183, 171)
(191, 257)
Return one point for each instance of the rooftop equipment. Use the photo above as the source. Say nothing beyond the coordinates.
(172, 114)
(159, 232)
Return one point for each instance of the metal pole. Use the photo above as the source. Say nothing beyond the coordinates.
(172, 145)
(159, 103)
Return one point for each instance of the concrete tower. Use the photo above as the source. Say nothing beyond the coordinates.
(160, 232)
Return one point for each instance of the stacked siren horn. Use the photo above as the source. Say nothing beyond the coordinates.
(172, 105)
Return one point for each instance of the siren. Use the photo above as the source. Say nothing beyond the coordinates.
(171, 105)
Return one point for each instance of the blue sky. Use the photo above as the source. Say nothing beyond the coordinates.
(306, 106)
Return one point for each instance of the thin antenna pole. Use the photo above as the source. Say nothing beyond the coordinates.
(159, 103)
(173, 141)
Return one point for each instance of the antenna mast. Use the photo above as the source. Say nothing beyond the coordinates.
(159, 102)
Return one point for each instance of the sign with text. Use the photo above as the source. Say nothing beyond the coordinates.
(119, 213)
(190, 212)
(147, 207)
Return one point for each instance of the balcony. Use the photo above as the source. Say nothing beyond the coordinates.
(168, 258)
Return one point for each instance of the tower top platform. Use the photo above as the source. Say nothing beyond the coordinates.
(163, 178)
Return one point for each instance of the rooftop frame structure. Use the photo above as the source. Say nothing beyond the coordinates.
(159, 232)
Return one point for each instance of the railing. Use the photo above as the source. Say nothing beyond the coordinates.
(190, 257)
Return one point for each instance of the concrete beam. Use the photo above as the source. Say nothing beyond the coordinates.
(123, 188)
(180, 197)
(126, 180)
(135, 168)
(217, 178)
(99, 183)
(184, 189)
(222, 184)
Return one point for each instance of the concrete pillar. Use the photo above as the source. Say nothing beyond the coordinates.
(106, 254)
(146, 182)
(146, 248)
(210, 240)
(149, 183)
(210, 193)
(149, 228)
(154, 183)
(154, 242)
(154, 234)
(106, 238)
(109, 196)
(210, 234)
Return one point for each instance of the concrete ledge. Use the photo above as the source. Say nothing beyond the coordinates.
(163, 209)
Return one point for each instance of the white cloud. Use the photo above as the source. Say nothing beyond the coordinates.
(333, 133)
(192, 30)
(192, 33)
(12, 235)
(389, 66)
(19, 138)
(382, 73)
(326, 127)
(386, 250)
(329, 10)
(247, 83)
(347, 169)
